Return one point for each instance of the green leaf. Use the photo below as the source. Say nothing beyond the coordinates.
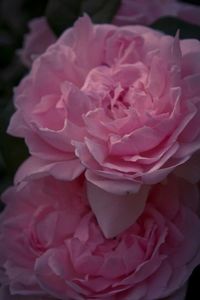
(170, 25)
(61, 14)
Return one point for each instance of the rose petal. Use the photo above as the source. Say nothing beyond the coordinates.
(35, 168)
(115, 213)
(179, 295)
(112, 183)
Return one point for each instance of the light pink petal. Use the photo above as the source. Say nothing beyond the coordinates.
(115, 213)
(39, 148)
(191, 63)
(140, 140)
(19, 129)
(35, 168)
(50, 281)
(20, 276)
(76, 102)
(85, 35)
(80, 39)
(57, 139)
(97, 149)
(190, 46)
(82, 152)
(49, 68)
(156, 74)
(113, 183)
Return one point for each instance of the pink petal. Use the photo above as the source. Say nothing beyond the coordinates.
(112, 182)
(115, 213)
(179, 295)
(49, 280)
(77, 103)
(35, 168)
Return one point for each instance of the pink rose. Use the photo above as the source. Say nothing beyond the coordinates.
(146, 12)
(52, 244)
(121, 102)
(36, 41)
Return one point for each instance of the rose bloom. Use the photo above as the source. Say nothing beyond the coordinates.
(146, 12)
(52, 244)
(36, 41)
(121, 102)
